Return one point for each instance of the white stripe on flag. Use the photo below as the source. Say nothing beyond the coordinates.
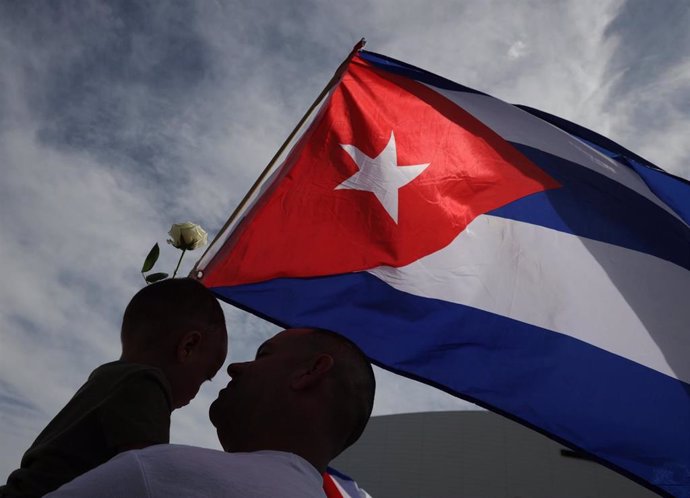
(353, 491)
(623, 301)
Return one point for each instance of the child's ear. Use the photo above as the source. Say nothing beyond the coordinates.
(313, 373)
(187, 344)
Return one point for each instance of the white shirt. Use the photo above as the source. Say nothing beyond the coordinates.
(172, 471)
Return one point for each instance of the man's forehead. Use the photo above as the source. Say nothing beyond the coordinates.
(282, 338)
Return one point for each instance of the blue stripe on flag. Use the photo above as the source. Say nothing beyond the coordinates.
(415, 73)
(603, 144)
(337, 473)
(669, 188)
(590, 204)
(530, 374)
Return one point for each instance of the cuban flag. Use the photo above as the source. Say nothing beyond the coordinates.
(338, 485)
(496, 252)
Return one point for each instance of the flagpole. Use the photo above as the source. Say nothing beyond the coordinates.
(331, 83)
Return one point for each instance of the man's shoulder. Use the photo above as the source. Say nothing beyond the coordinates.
(187, 456)
(175, 470)
(258, 473)
(176, 460)
(158, 451)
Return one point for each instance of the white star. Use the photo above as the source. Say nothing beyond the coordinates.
(381, 175)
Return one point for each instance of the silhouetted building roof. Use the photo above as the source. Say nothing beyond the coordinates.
(473, 454)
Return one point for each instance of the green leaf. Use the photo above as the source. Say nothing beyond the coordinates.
(151, 258)
(155, 277)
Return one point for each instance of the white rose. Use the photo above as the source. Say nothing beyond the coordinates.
(187, 236)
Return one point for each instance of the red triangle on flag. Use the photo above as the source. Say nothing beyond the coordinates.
(305, 226)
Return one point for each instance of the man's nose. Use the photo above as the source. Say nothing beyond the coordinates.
(235, 368)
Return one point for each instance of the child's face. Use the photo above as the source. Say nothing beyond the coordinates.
(200, 367)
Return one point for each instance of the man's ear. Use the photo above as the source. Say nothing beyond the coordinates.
(313, 373)
(187, 344)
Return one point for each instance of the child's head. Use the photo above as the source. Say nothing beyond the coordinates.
(178, 326)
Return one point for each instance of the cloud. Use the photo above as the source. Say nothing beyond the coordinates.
(517, 49)
(118, 119)
(649, 71)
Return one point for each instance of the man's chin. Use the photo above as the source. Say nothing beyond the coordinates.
(213, 413)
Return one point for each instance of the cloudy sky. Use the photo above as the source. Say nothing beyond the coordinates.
(118, 119)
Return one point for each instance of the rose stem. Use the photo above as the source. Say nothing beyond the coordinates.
(178, 263)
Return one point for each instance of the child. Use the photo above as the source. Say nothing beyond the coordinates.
(173, 339)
